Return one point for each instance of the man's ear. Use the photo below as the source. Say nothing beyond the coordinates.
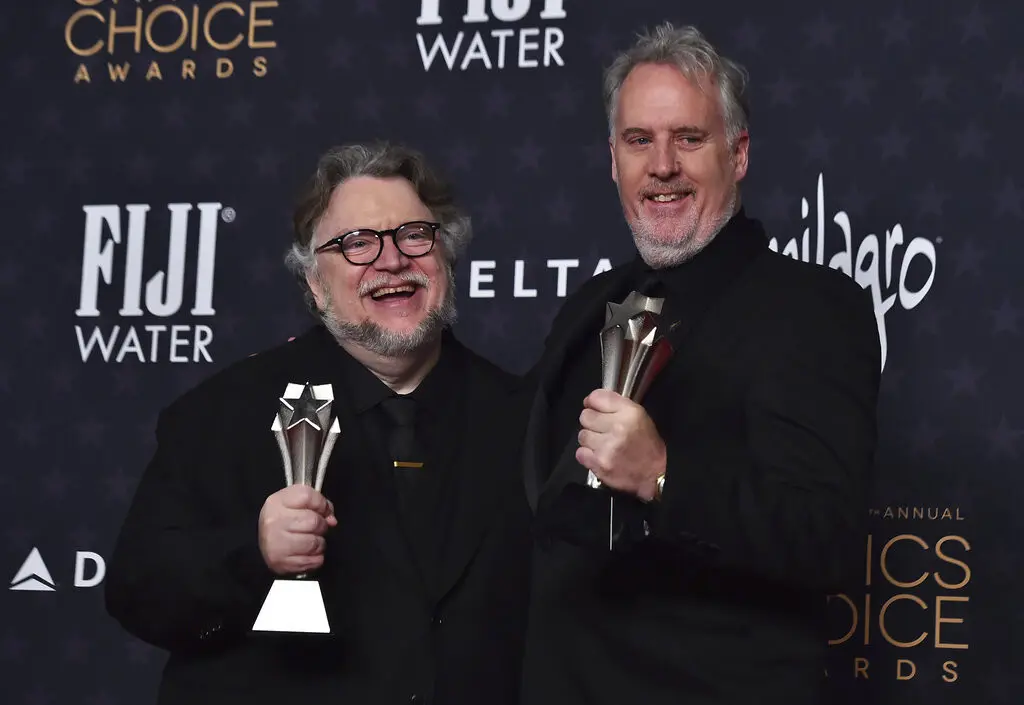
(740, 154)
(615, 168)
(317, 288)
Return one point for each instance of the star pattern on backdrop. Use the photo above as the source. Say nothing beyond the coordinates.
(906, 113)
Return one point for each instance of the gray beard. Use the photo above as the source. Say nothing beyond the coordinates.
(376, 339)
(658, 254)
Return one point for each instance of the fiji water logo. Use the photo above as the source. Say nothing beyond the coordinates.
(880, 264)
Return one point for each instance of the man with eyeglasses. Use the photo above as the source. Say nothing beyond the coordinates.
(419, 536)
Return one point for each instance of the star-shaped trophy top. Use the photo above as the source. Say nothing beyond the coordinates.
(635, 303)
(304, 409)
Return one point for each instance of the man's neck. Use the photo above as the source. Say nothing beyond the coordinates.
(402, 374)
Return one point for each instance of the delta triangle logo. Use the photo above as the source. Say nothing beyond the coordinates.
(33, 575)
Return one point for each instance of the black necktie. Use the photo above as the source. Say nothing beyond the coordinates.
(407, 456)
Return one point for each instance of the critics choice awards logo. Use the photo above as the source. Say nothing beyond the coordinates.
(490, 34)
(156, 270)
(909, 618)
(118, 41)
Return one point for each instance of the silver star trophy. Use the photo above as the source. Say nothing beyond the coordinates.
(633, 352)
(306, 433)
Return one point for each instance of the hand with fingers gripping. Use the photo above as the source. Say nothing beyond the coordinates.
(292, 525)
(620, 444)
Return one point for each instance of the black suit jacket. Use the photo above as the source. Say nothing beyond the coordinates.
(716, 593)
(187, 574)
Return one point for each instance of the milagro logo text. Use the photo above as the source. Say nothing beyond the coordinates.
(114, 262)
(877, 265)
(505, 46)
(111, 38)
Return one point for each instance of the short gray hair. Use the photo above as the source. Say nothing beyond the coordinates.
(688, 50)
(380, 160)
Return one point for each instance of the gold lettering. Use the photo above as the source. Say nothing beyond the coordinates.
(860, 667)
(82, 74)
(940, 620)
(867, 562)
(949, 669)
(853, 623)
(867, 619)
(885, 570)
(254, 23)
(888, 513)
(195, 27)
(177, 44)
(118, 73)
(967, 571)
(946, 514)
(885, 632)
(259, 66)
(214, 11)
(899, 669)
(70, 26)
(224, 67)
(154, 71)
(188, 69)
(114, 29)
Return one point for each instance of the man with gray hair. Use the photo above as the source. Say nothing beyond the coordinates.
(419, 537)
(739, 484)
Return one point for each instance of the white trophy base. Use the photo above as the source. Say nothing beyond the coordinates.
(295, 606)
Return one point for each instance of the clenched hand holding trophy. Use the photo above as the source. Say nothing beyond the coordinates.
(633, 352)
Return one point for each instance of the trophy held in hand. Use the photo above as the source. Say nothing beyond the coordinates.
(306, 433)
(633, 352)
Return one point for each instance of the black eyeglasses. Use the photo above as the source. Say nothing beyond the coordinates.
(364, 246)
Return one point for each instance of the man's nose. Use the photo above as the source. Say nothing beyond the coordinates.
(663, 162)
(391, 259)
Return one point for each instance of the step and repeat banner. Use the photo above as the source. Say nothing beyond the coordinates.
(152, 148)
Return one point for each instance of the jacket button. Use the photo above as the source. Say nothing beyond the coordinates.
(414, 698)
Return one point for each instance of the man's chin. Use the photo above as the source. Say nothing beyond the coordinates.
(662, 249)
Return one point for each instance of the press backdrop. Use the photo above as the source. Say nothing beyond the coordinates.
(151, 150)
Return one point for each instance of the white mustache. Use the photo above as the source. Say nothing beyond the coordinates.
(368, 287)
(666, 189)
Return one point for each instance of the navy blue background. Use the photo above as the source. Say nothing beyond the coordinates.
(909, 113)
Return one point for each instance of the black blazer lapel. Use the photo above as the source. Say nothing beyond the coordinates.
(585, 317)
(485, 475)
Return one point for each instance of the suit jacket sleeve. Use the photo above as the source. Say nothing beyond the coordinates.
(186, 571)
(790, 503)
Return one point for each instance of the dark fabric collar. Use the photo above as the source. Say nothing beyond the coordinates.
(740, 239)
(440, 381)
(366, 391)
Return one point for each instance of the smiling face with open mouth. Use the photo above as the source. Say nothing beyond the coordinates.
(676, 172)
(396, 298)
